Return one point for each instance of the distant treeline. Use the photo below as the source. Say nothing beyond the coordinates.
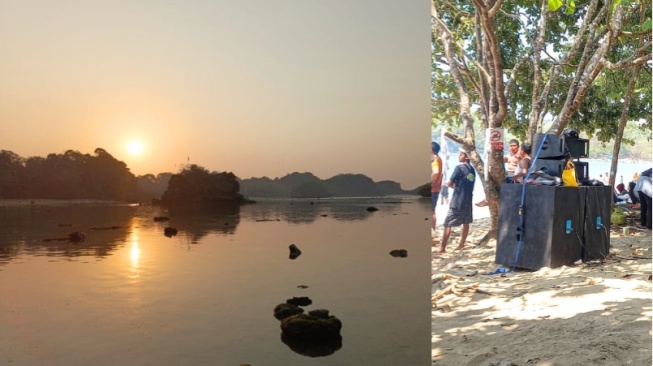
(307, 185)
(73, 175)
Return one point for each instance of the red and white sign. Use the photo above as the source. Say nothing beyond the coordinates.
(495, 137)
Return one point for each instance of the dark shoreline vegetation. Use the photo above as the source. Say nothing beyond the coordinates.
(100, 176)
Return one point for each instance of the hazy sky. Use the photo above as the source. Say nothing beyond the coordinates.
(258, 88)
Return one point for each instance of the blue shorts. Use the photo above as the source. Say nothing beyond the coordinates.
(434, 200)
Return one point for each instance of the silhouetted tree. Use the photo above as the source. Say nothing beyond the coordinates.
(66, 176)
(197, 186)
(11, 172)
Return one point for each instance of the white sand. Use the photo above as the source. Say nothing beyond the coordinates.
(590, 314)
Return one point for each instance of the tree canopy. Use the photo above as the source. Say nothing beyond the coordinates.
(518, 64)
(71, 175)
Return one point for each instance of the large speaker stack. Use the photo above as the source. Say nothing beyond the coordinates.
(556, 149)
(547, 226)
(558, 225)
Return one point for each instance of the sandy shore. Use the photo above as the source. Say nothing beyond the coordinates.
(596, 313)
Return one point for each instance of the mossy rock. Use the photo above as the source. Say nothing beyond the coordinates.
(316, 325)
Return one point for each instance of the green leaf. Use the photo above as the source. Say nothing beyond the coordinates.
(571, 7)
(554, 5)
(614, 6)
(647, 25)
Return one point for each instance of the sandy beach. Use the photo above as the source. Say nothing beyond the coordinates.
(595, 313)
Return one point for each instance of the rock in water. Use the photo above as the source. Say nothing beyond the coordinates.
(316, 325)
(170, 231)
(282, 311)
(76, 236)
(403, 253)
(371, 209)
(299, 301)
(294, 251)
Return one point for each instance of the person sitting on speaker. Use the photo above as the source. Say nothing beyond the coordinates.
(524, 163)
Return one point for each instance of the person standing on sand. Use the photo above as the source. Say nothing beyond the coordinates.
(460, 208)
(644, 190)
(436, 182)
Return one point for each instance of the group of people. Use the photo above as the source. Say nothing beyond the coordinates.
(639, 193)
(462, 181)
(517, 163)
(460, 207)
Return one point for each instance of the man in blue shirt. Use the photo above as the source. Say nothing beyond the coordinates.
(460, 208)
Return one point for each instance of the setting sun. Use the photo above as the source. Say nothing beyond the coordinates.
(135, 147)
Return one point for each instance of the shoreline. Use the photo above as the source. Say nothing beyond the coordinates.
(59, 202)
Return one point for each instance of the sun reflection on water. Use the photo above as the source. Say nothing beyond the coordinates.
(134, 253)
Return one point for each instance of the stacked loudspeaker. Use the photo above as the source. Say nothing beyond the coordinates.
(556, 149)
(547, 226)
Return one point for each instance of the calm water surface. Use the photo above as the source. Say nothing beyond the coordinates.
(131, 296)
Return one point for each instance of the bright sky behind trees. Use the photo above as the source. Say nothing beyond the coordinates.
(257, 88)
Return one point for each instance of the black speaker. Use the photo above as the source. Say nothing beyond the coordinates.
(596, 233)
(553, 147)
(582, 171)
(559, 225)
(578, 148)
(552, 230)
(552, 167)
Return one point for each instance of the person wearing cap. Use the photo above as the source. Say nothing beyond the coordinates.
(460, 208)
(436, 182)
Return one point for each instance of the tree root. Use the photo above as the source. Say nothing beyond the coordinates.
(492, 234)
